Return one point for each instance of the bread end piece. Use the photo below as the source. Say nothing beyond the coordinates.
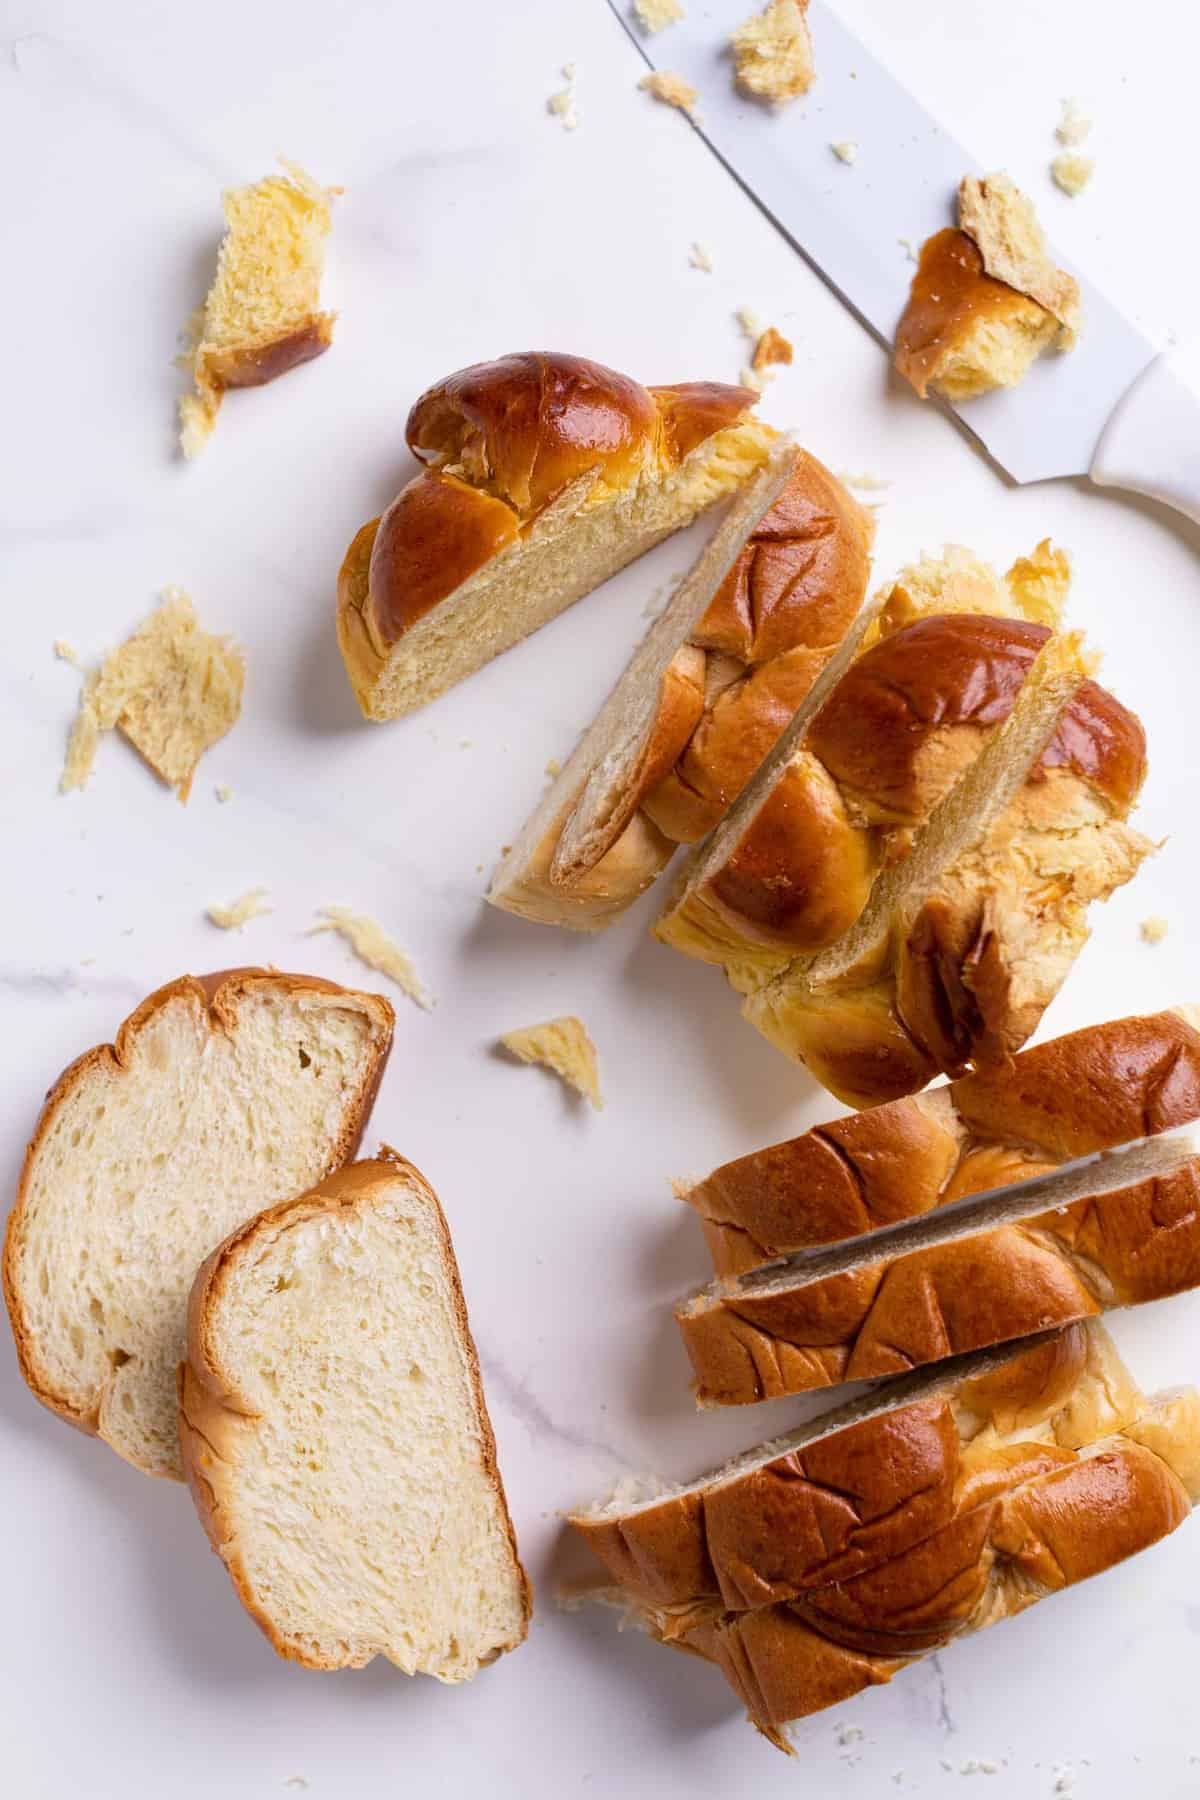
(369, 1542)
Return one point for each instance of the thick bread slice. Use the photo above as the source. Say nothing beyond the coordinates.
(1120, 1230)
(336, 1438)
(861, 1484)
(148, 1152)
(550, 874)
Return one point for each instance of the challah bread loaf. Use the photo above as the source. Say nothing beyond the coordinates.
(1088, 1091)
(748, 633)
(336, 1437)
(859, 1485)
(545, 474)
(1124, 1494)
(216, 1094)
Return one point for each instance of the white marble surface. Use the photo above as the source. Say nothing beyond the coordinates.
(473, 224)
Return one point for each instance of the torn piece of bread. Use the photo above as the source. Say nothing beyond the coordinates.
(656, 15)
(773, 53)
(372, 945)
(562, 1045)
(261, 317)
(545, 474)
(986, 299)
(216, 1094)
(772, 348)
(250, 905)
(336, 1438)
(1154, 929)
(671, 89)
(1072, 171)
(172, 689)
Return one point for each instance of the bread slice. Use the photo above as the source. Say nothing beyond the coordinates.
(261, 317)
(336, 1437)
(216, 1093)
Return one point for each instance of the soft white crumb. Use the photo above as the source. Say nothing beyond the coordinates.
(569, 71)
(754, 379)
(67, 653)
(870, 484)
(1153, 930)
(562, 104)
(250, 905)
(656, 15)
(1072, 171)
(750, 322)
(846, 150)
(371, 944)
(911, 250)
(224, 792)
(1074, 124)
(554, 767)
(700, 257)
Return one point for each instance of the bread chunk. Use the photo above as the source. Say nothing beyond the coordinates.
(336, 1437)
(773, 53)
(562, 1045)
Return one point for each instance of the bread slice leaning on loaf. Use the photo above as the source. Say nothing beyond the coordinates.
(545, 474)
(336, 1438)
(735, 652)
(217, 1092)
(828, 1561)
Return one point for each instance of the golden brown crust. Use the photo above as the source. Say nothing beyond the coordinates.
(436, 534)
(253, 365)
(213, 1414)
(215, 994)
(691, 411)
(950, 298)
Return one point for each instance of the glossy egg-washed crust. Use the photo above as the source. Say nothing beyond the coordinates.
(502, 440)
(901, 726)
(951, 298)
(1088, 1091)
(214, 1419)
(216, 994)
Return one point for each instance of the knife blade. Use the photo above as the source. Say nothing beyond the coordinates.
(848, 221)
(1082, 1178)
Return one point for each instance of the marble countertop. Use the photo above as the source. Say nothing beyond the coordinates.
(473, 224)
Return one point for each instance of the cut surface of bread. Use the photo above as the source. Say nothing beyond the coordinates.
(148, 1152)
(564, 1047)
(773, 53)
(545, 474)
(172, 689)
(336, 1438)
(262, 316)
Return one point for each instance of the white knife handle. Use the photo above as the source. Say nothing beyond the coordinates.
(1151, 444)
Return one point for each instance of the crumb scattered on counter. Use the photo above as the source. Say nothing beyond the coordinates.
(754, 379)
(172, 689)
(870, 484)
(562, 104)
(773, 54)
(911, 250)
(563, 1046)
(1074, 125)
(672, 90)
(371, 944)
(750, 323)
(771, 348)
(656, 15)
(974, 1766)
(250, 905)
(554, 767)
(700, 257)
(846, 150)
(67, 653)
(1072, 171)
(224, 792)
(1153, 930)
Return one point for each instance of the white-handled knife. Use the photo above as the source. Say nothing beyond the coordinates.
(1112, 408)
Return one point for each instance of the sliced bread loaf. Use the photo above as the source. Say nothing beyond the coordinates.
(217, 1094)
(336, 1438)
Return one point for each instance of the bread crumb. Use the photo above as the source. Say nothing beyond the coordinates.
(772, 52)
(771, 348)
(672, 90)
(751, 324)
(85, 962)
(250, 905)
(1153, 930)
(67, 653)
(1072, 171)
(563, 1046)
(1001, 221)
(754, 379)
(911, 250)
(656, 15)
(554, 767)
(1040, 583)
(870, 484)
(261, 315)
(171, 689)
(1074, 124)
(569, 71)
(700, 257)
(973, 1766)
(224, 792)
(846, 150)
(371, 944)
(562, 104)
